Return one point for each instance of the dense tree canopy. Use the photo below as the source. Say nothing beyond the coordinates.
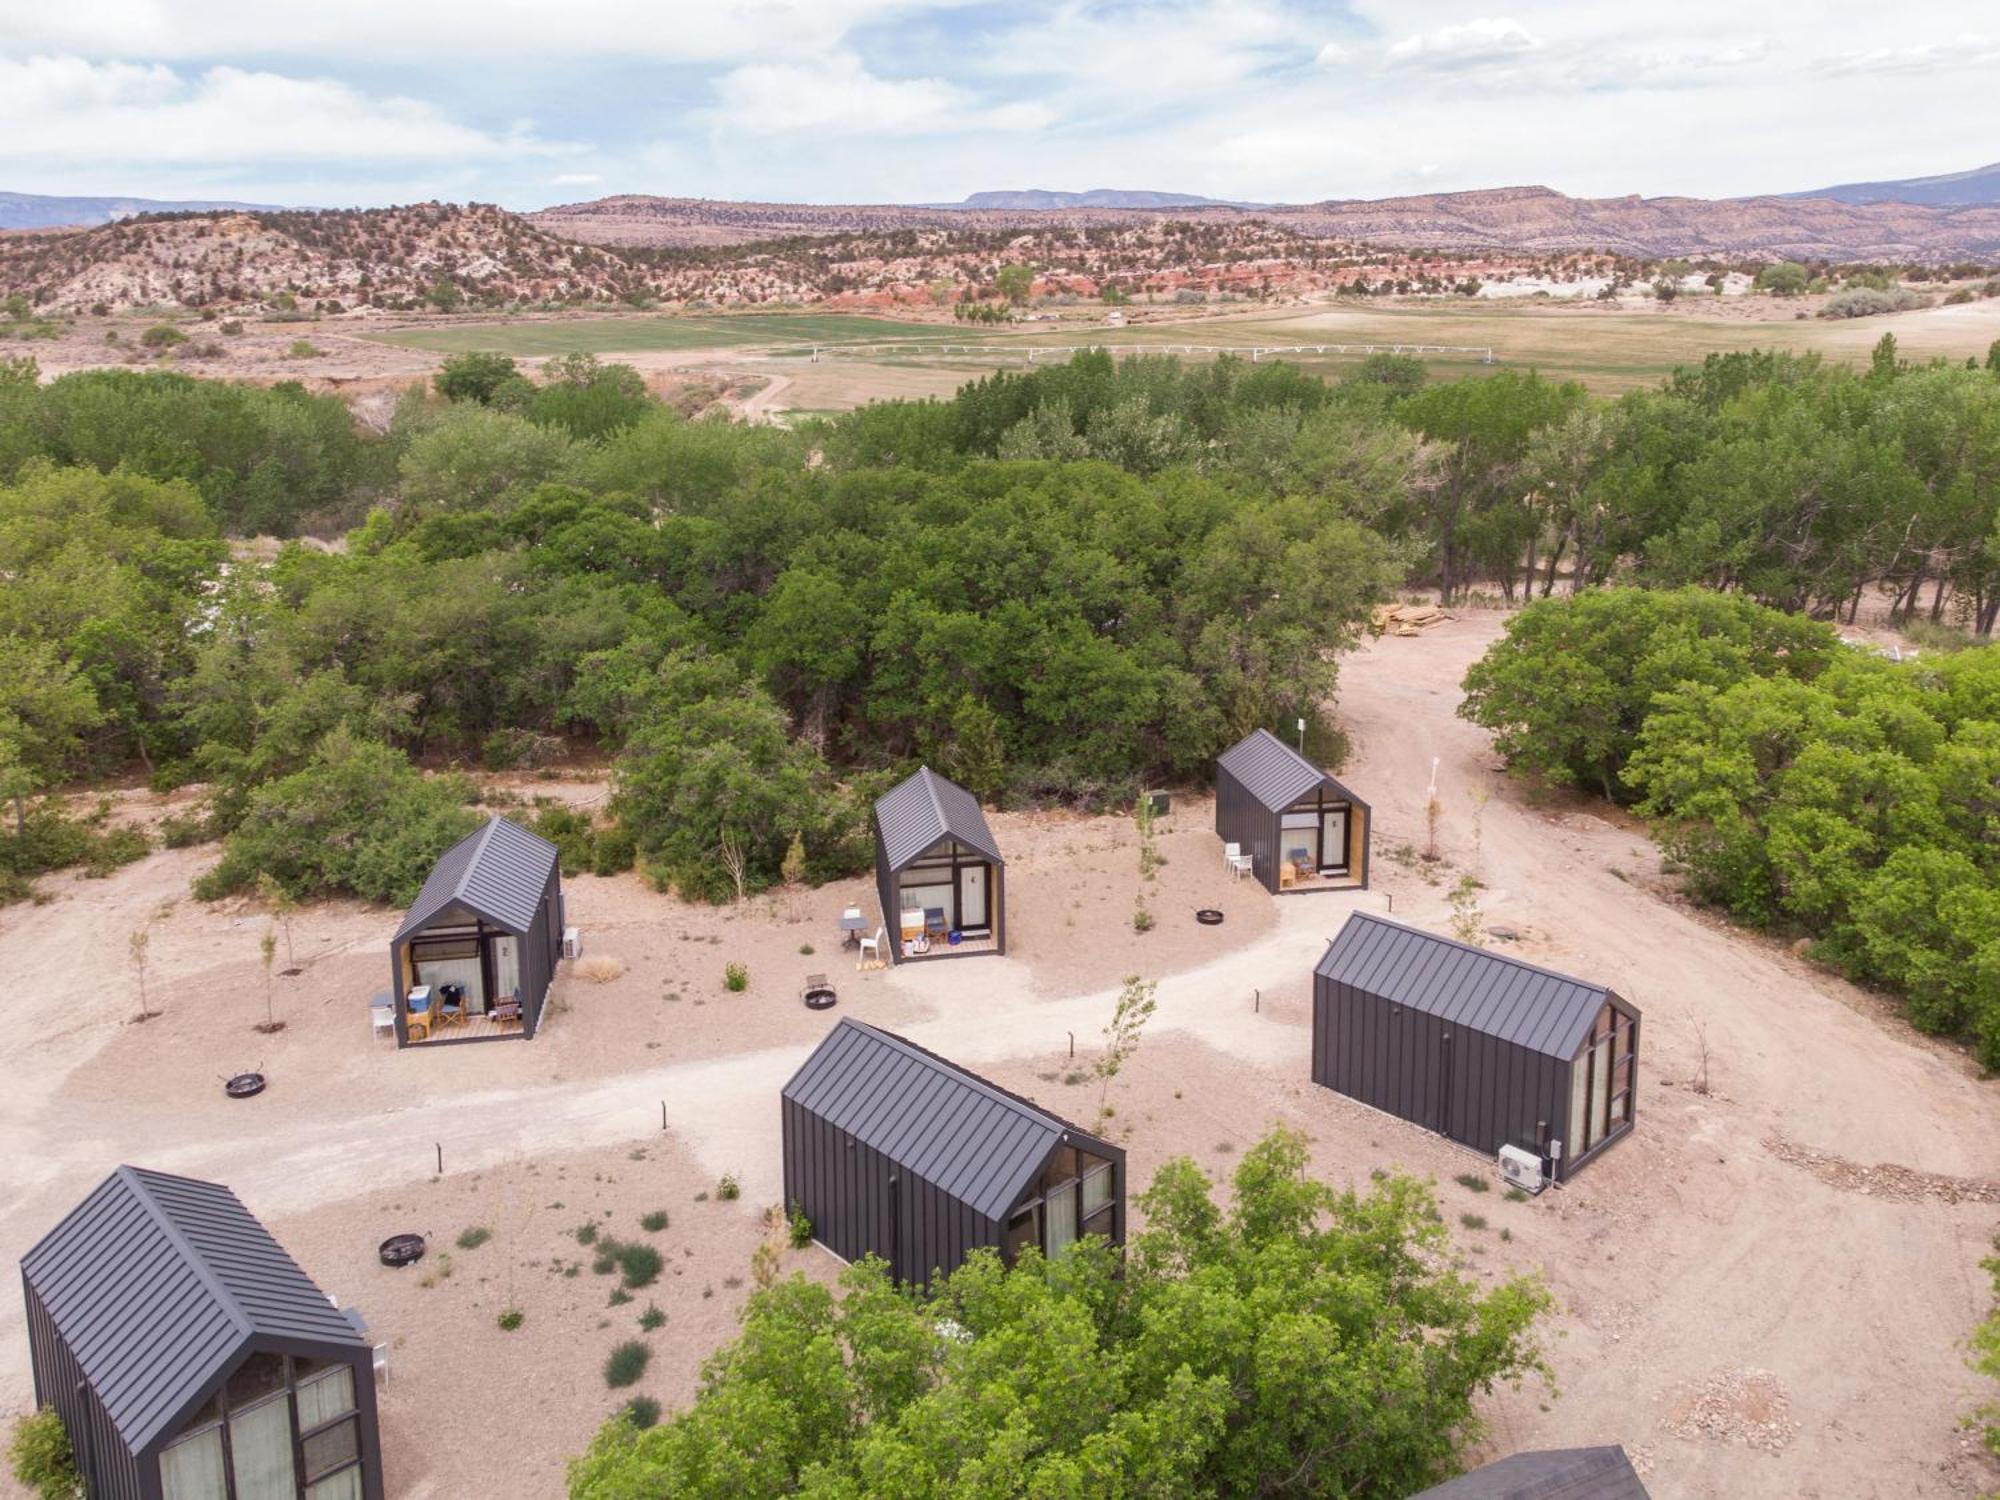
(1802, 784)
(1300, 1341)
(1057, 584)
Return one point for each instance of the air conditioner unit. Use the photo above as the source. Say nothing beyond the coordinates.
(1522, 1169)
(572, 943)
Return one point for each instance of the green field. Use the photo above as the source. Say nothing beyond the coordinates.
(639, 332)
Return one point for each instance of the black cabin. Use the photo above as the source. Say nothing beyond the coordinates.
(1550, 1474)
(1296, 828)
(892, 1151)
(938, 871)
(190, 1358)
(475, 956)
(1484, 1049)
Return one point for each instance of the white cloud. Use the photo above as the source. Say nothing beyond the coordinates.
(712, 31)
(1961, 52)
(575, 179)
(1467, 44)
(1332, 55)
(65, 110)
(838, 95)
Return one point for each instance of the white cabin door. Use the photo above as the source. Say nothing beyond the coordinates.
(971, 898)
(1333, 840)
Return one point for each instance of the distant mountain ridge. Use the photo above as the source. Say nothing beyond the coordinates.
(1510, 219)
(1979, 186)
(1037, 200)
(37, 211)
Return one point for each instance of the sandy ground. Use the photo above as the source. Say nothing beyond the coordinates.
(1742, 1308)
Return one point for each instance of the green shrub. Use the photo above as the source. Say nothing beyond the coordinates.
(162, 336)
(1473, 1221)
(358, 819)
(1472, 1180)
(799, 1228)
(511, 1319)
(735, 978)
(626, 1363)
(642, 1412)
(586, 1233)
(619, 1297)
(612, 851)
(652, 1317)
(473, 1238)
(303, 349)
(654, 1222)
(641, 1264)
(43, 1460)
(728, 1190)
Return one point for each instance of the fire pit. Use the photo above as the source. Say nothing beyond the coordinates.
(244, 1085)
(402, 1250)
(817, 993)
(1208, 916)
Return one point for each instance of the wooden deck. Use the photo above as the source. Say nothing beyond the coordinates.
(942, 949)
(469, 1029)
(1320, 882)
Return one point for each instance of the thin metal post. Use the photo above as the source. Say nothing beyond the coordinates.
(1072, 1044)
(440, 1152)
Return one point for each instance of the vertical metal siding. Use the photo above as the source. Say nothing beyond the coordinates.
(538, 950)
(111, 1471)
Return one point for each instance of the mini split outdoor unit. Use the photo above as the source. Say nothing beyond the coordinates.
(572, 943)
(1522, 1169)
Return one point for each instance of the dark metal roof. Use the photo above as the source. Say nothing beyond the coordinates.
(1555, 1474)
(1489, 992)
(157, 1283)
(917, 812)
(1272, 771)
(498, 872)
(970, 1138)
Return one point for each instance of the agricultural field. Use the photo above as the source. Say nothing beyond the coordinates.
(533, 337)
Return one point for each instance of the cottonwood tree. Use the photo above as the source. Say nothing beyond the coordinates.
(1293, 1340)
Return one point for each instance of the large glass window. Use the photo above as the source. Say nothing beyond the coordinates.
(191, 1467)
(1059, 1211)
(260, 1449)
(1096, 1190)
(1601, 1083)
(325, 1395)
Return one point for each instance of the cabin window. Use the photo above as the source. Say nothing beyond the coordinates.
(1601, 1083)
(1059, 1209)
(191, 1467)
(260, 1448)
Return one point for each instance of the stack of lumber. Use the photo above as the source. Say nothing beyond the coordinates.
(1406, 619)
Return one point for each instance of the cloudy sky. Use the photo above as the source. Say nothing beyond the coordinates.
(527, 103)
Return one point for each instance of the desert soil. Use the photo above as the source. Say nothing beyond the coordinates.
(1762, 1292)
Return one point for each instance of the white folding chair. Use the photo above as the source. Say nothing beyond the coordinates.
(871, 947)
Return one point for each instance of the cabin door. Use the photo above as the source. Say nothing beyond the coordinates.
(1333, 841)
(972, 898)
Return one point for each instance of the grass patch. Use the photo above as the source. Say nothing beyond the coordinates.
(619, 1297)
(1473, 1221)
(642, 1412)
(511, 1319)
(655, 1221)
(473, 1238)
(1516, 1195)
(735, 978)
(1473, 1181)
(626, 1364)
(651, 1318)
(728, 1190)
(586, 1234)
